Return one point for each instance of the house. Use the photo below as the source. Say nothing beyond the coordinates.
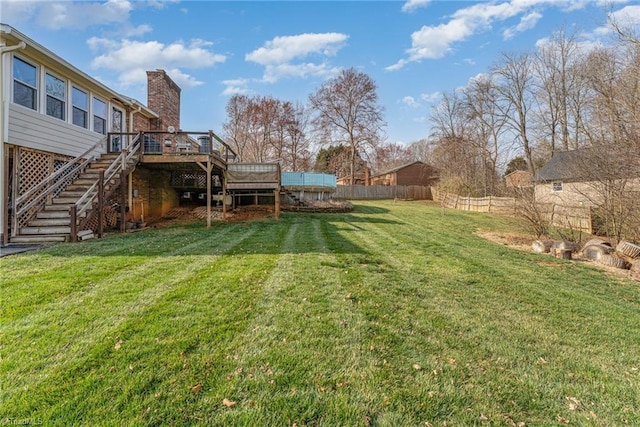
(414, 173)
(361, 177)
(75, 153)
(518, 179)
(52, 112)
(581, 177)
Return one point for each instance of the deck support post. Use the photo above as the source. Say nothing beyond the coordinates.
(123, 199)
(224, 195)
(100, 202)
(209, 189)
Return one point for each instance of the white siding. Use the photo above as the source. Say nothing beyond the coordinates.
(28, 128)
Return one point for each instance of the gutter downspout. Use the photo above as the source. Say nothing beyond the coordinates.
(4, 136)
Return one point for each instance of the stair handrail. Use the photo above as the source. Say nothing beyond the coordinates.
(86, 201)
(54, 181)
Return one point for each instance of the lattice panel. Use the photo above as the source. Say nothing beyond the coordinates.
(189, 179)
(35, 166)
(110, 216)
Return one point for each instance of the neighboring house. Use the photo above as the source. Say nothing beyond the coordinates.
(581, 177)
(362, 177)
(518, 179)
(414, 173)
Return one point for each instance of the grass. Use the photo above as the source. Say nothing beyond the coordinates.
(395, 314)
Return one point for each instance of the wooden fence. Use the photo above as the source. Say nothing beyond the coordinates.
(574, 217)
(373, 192)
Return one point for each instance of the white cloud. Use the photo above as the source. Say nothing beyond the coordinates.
(236, 87)
(431, 98)
(59, 15)
(280, 56)
(273, 73)
(628, 16)
(284, 49)
(527, 22)
(17, 11)
(131, 59)
(78, 15)
(435, 41)
(412, 5)
(411, 102)
(140, 30)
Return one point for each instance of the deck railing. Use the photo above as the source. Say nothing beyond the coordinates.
(185, 142)
(28, 204)
(92, 201)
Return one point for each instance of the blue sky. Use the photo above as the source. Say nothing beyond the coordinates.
(414, 50)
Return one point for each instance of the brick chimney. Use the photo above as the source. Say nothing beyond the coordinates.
(163, 97)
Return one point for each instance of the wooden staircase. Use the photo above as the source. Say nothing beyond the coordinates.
(53, 222)
(293, 197)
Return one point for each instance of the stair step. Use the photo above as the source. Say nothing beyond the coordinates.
(64, 200)
(53, 214)
(78, 186)
(85, 235)
(71, 194)
(40, 238)
(88, 182)
(58, 207)
(49, 222)
(45, 230)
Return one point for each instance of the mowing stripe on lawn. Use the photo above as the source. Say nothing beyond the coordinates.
(118, 295)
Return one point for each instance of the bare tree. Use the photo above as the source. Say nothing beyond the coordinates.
(298, 148)
(388, 156)
(515, 86)
(263, 129)
(553, 62)
(421, 150)
(454, 153)
(626, 29)
(481, 103)
(235, 128)
(346, 111)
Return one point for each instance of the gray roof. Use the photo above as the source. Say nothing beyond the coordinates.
(589, 164)
(397, 168)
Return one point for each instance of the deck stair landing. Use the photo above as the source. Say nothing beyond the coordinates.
(53, 222)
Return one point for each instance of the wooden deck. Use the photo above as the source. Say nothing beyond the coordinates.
(182, 158)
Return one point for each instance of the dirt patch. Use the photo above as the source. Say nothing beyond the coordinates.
(523, 243)
(320, 206)
(188, 214)
(512, 240)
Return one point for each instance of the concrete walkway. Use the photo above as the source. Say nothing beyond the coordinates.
(12, 249)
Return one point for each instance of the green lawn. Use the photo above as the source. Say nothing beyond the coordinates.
(396, 314)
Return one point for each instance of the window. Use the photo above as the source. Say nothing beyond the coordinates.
(99, 116)
(116, 127)
(56, 89)
(557, 186)
(25, 84)
(80, 101)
